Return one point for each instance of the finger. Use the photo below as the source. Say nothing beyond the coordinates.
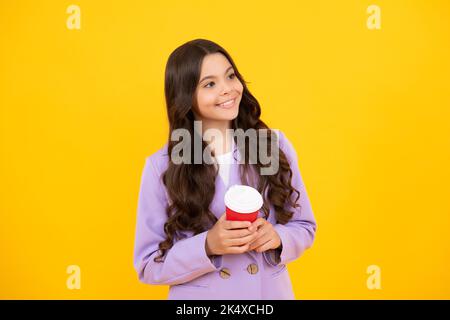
(223, 217)
(229, 224)
(262, 231)
(260, 241)
(238, 233)
(238, 249)
(241, 241)
(266, 246)
(259, 222)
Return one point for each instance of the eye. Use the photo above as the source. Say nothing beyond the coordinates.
(207, 86)
(232, 76)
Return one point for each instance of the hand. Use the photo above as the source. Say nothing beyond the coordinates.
(267, 238)
(229, 237)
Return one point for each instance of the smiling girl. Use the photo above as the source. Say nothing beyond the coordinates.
(182, 236)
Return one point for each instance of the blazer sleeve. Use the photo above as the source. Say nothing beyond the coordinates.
(298, 234)
(186, 260)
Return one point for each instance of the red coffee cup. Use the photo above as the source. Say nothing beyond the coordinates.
(242, 203)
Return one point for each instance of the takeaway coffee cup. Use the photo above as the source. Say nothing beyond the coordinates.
(242, 203)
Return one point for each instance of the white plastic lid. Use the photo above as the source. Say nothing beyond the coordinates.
(243, 199)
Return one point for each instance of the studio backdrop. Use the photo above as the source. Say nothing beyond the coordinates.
(360, 88)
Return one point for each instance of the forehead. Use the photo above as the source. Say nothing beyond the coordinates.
(214, 64)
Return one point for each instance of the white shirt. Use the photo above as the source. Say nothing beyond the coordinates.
(225, 160)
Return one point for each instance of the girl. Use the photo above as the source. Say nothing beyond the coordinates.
(182, 236)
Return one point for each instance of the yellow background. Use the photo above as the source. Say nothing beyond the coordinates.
(367, 111)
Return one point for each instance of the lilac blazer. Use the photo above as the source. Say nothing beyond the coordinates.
(187, 269)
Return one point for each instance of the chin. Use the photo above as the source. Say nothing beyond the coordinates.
(227, 114)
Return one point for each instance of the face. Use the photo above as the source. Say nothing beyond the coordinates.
(219, 91)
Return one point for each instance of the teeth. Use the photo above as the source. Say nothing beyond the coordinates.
(226, 104)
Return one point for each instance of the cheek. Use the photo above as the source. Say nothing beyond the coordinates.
(205, 99)
(239, 87)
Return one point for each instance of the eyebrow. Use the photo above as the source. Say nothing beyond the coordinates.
(207, 77)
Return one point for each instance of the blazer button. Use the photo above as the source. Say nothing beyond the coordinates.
(252, 268)
(225, 273)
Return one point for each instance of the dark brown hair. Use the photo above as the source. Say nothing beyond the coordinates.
(191, 187)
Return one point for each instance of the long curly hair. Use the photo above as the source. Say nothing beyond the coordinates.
(191, 187)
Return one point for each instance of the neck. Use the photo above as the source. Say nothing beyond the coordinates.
(219, 144)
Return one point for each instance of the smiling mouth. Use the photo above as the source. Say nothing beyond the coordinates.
(227, 104)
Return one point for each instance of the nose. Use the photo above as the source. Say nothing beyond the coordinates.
(226, 88)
